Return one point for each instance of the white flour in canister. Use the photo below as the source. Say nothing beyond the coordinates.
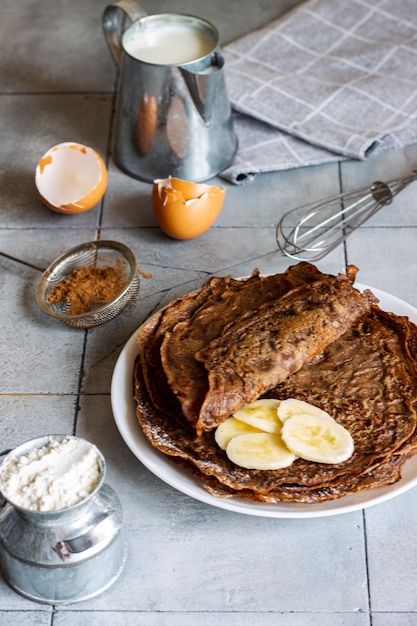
(57, 475)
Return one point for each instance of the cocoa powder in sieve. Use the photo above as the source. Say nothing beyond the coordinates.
(88, 286)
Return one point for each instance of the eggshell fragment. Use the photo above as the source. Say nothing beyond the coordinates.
(184, 209)
(71, 178)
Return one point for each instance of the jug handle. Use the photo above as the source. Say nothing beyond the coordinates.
(114, 17)
(108, 524)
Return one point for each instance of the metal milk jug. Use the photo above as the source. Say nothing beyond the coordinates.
(173, 114)
(67, 555)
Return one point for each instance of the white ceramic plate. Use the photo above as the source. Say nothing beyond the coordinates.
(124, 414)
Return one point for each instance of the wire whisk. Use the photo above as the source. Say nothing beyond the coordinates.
(310, 231)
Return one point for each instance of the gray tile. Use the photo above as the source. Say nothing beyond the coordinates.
(269, 196)
(26, 416)
(394, 619)
(40, 122)
(387, 166)
(128, 202)
(54, 47)
(392, 553)
(368, 247)
(218, 251)
(40, 354)
(237, 561)
(207, 619)
(25, 618)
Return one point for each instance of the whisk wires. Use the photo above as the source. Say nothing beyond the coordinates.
(309, 232)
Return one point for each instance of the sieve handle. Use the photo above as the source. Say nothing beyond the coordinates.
(13, 258)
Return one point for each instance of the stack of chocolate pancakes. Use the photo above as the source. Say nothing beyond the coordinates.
(300, 334)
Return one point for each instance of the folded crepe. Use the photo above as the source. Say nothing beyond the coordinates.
(262, 348)
(254, 345)
(198, 318)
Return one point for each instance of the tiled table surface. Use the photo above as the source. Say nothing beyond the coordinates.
(188, 562)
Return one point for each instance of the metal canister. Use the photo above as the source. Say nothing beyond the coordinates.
(63, 556)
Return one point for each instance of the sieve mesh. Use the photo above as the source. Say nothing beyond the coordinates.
(92, 254)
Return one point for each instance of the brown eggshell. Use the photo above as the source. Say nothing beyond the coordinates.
(71, 178)
(184, 209)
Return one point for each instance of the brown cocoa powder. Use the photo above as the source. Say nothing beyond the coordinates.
(88, 286)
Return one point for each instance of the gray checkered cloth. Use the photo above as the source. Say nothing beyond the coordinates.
(331, 80)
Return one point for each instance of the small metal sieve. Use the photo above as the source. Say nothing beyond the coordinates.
(91, 254)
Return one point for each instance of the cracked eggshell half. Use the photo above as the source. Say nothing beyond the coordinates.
(71, 178)
(183, 209)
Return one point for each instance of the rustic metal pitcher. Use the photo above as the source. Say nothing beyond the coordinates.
(63, 556)
(173, 114)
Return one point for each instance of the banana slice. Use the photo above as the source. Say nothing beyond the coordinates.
(231, 428)
(261, 451)
(291, 406)
(261, 414)
(317, 438)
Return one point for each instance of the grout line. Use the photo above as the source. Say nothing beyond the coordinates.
(368, 582)
(56, 93)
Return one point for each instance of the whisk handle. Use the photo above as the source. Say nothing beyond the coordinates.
(381, 192)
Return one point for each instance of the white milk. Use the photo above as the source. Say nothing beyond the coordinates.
(170, 44)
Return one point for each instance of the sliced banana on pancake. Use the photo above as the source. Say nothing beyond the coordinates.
(261, 451)
(270, 434)
(261, 414)
(231, 428)
(291, 406)
(317, 438)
